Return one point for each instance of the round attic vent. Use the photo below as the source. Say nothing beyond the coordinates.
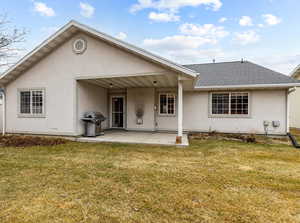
(79, 46)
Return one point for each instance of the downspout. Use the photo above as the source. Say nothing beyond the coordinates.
(2, 92)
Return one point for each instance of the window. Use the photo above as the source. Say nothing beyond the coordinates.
(31, 102)
(167, 104)
(236, 103)
(239, 103)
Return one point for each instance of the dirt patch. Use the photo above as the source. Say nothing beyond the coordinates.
(221, 136)
(248, 138)
(27, 141)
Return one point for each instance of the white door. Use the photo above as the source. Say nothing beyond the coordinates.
(117, 112)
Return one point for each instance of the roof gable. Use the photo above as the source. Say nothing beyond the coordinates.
(66, 32)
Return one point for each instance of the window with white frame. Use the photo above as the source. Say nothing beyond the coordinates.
(167, 103)
(31, 102)
(230, 103)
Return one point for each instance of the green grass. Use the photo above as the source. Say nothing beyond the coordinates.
(211, 181)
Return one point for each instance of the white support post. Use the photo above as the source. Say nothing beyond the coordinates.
(3, 113)
(180, 112)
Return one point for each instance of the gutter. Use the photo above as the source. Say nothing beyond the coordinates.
(289, 85)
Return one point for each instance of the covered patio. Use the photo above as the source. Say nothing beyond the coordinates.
(141, 90)
(134, 137)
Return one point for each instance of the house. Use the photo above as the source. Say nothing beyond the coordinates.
(79, 69)
(295, 102)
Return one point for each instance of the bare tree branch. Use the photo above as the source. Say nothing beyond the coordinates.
(9, 40)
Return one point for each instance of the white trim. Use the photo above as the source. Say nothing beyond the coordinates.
(121, 75)
(288, 110)
(248, 86)
(110, 39)
(3, 112)
(31, 115)
(211, 115)
(124, 111)
(175, 104)
(180, 109)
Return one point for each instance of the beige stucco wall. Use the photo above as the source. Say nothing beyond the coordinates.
(137, 97)
(265, 105)
(56, 73)
(90, 98)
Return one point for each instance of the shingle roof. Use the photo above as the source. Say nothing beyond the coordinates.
(237, 73)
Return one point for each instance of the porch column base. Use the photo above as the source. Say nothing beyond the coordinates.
(178, 139)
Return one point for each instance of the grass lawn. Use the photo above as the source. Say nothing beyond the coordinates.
(211, 181)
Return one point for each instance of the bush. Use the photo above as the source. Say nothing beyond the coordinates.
(26, 141)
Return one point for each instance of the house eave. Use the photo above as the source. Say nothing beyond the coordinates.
(249, 86)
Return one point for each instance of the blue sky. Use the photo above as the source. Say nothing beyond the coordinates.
(186, 31)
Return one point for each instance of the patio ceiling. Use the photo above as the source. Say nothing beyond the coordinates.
(135, 81)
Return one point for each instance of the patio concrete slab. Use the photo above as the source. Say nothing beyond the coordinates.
(154, 138)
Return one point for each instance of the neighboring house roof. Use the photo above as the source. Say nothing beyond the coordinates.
(70, 29)
(238, 73)
(296, 72)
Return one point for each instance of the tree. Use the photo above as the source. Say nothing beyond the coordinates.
(10, 39)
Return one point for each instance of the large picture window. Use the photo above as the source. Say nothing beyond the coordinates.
(231, 103)
(31, 102)
(167, 103)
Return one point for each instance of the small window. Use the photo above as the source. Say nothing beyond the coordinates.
(32, 102)
(236, 103)
(167, 104)
(79, 46)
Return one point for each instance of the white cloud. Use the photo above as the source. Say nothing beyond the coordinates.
(261, 25)
(164, 17)
(271, 20)
(281, 63)
(177, 42)
(246, 21)
(206, 30)
(183, 49)
(174, 5)
(86, 10)
(222, 20)
(191, 45)
(43, 9)
(122, 36)
(247, 37)
(188, 56)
